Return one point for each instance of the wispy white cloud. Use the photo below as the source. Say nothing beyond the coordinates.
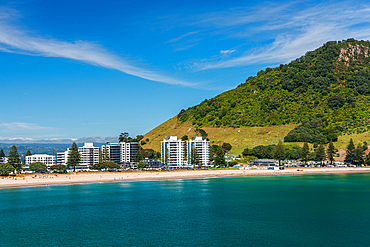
(227, 51)
(17, 126)
(285, 31)
(14, 39)
(182, 36)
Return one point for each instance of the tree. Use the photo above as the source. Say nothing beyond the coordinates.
(320, 153)
(38, 167)
(365, 146)
(28, 153)
(148, 153)
(194, 157)
(359, 154)
(185, 138)
(167, 158)
(305, 152)
(367, 159)
(219, 157)
(141, 165)
(139, 138)
(104, 154)
(14, 158)
(6, 169)
(201, 132)
(2, 154)
(331, 152)
(279, 152)
(138, 157)
(123, 137)
(350, 152)
(74, 157)
(227, 147)
(185, 152)
(59, 168)
(109, 165)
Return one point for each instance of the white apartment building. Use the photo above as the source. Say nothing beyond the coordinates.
(128, 151)
(62, 157)
(89, 156)
(48, 160)
(3, 160)
(202, 147)
(173, 152)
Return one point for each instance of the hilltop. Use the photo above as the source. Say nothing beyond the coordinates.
(321, 96)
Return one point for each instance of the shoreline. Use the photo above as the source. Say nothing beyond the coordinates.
(41, 180)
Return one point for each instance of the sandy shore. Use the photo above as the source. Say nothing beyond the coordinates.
(31, 180)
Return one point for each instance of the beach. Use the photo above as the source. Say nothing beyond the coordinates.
(31, 180)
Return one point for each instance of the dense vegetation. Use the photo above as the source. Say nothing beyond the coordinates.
(330, 86)
(313, 131)
(293, 152)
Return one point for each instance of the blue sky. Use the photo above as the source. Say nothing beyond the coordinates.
(89, 70)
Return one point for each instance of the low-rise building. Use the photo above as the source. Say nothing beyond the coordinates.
(48, 160)
(263, 163)
(3, 160)
(152, 164)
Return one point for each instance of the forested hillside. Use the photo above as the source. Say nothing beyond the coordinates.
(326, 91)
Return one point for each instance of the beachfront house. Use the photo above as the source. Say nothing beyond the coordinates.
(152, 164)
(263, 163)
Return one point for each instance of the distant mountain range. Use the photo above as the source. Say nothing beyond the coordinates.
(38, 148)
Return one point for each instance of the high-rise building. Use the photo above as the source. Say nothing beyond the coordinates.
(114, 151)
(128, 151)
(120, 153)
(173, 152)
(123, 152)
(89, 156)
(202, 148)
(177, 153)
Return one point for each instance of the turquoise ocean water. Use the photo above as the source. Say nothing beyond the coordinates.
(310, 210)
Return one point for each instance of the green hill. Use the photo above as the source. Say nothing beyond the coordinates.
(322, 95)
(330, 84)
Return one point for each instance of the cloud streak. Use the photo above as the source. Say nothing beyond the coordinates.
(15, 40)
(17, 126)
(287, 31)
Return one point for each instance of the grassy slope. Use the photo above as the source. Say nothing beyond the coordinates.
(239, 138)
